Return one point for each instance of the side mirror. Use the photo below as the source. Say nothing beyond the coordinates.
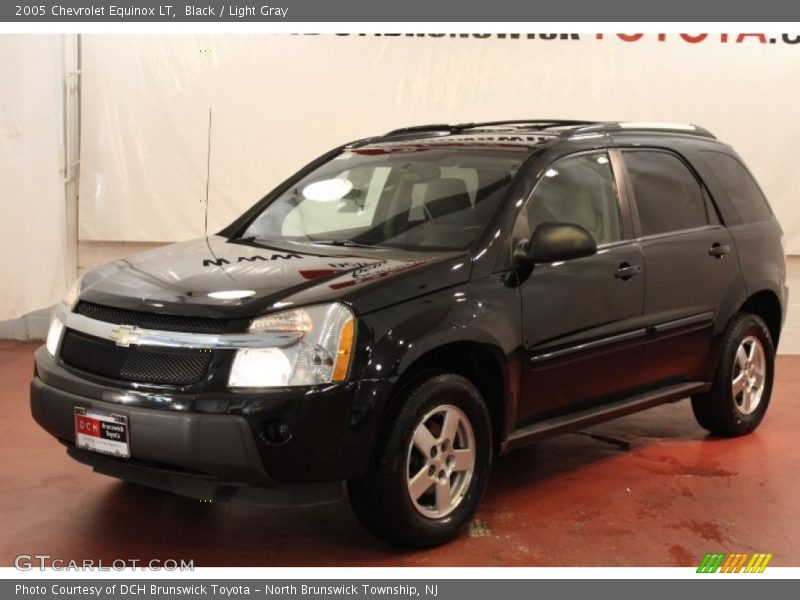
(553, 242)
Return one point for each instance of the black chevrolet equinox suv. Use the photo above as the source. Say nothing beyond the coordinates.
(410, 305)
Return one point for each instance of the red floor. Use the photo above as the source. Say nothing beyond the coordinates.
(649, 490)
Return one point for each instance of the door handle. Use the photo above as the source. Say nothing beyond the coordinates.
(625, 271)
(719, 250)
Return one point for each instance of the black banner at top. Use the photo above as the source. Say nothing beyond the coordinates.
(441, 11)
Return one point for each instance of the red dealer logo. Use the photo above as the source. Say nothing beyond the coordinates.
(88, 426)
(791, 39)
(697, 38)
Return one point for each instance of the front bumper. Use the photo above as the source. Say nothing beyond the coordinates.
(208, 488)
(215, 446)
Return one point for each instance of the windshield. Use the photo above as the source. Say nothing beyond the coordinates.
(417, 198)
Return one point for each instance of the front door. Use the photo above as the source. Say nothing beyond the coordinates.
(582, 319)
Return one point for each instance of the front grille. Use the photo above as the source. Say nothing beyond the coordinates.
(170, 366)
(161, 322)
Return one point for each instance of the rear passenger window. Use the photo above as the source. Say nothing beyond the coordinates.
(668, 196)
(740, 186)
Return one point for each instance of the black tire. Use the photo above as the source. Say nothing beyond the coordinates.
(381, 500)
(718, 410)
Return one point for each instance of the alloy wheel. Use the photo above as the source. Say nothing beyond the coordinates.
(749, 375)
(440, 461)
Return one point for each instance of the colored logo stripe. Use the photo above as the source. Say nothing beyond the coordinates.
(734, 563)
(758, 563)
(710, 563)
(740, 564)
(732, 559)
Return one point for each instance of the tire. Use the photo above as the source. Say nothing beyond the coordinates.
(382, 500)
(720, 410)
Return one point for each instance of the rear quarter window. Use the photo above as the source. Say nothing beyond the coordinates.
(742, 189)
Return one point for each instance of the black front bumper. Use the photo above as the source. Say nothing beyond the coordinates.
(217, 446)
(205, 487)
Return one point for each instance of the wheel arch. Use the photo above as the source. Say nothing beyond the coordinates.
(484, 364)
(767, 305)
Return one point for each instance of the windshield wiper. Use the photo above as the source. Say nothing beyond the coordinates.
(270, 244)
(347, 243)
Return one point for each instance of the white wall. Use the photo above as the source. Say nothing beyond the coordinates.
(33, 236)
(790, 338)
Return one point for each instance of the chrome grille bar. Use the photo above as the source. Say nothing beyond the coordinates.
(128, 335)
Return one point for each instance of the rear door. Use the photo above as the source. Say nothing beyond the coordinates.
(583, 318)
(691, 261)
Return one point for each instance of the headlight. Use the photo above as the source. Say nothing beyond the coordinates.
(56, 326)
(54, 335)
(321, 354)
(71, 297)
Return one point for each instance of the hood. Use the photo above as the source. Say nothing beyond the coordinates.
(199, 277)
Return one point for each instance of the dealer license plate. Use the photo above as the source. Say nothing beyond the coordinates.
(102, 432)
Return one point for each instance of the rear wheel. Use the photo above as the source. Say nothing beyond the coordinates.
(742, 386)
(431, 465)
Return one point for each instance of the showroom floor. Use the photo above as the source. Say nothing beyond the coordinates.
(649, 490)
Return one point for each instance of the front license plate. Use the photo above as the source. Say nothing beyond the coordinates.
(102, 432)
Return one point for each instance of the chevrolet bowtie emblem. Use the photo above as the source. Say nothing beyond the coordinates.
(125, 335)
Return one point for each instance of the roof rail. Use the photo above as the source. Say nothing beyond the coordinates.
(405, 132)
(437, 128)
(537, 124)
(651, 126)
(446, 129)
(576, 127)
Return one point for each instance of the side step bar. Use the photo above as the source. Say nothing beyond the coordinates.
(599, 414)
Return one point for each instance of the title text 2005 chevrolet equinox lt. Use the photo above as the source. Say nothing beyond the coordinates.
(410, 305)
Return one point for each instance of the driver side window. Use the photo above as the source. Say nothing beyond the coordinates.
(580, 190)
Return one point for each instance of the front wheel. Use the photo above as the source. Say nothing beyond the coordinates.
(431, 464)
(742, 386)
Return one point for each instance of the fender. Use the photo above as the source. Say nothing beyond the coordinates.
(484, 313)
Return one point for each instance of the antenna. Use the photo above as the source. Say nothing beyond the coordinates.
(208, 173)
(208, 182)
